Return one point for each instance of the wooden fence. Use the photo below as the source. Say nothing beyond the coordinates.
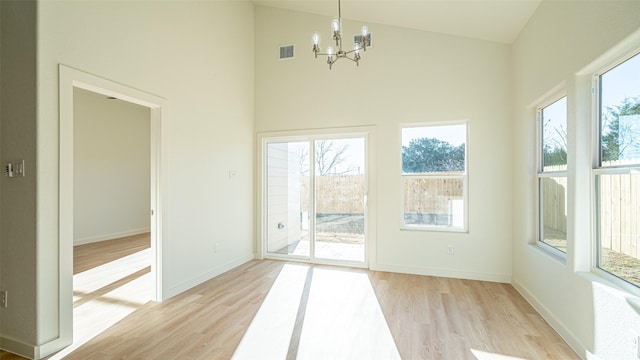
(430, 196)
(554, 199)
(620, 213)
(345, 194)
(336, 194)
(619, 210)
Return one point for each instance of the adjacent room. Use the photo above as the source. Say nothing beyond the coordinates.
(320, 179)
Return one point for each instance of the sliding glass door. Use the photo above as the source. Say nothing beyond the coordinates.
(288, 198)
(315, 201)
(340, 195)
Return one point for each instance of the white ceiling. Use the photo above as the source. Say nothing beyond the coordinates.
(493, 20)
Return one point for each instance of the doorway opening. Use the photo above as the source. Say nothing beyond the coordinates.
(117, 243)
(112, 242)
(315, 198)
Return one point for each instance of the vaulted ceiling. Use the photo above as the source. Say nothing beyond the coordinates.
(492, 20)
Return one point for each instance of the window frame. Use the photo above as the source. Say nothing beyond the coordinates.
(542, 174)
(442, 175)
(597, 169)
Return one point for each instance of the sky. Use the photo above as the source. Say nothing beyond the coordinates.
(453, 134)
(621, 82)
(354, 156)
(554, 120)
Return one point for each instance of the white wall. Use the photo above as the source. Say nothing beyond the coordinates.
(111, 168)
(560, 48)
(175, 50)
(406, 77)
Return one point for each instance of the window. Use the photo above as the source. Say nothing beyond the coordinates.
(552, 175)
(617, 171)
(434, 177)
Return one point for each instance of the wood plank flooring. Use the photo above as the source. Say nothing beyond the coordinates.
(278, 310)
(89, 256)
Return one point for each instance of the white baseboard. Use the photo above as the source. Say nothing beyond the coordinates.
(173, 291)
(31, 351)
(18, 348)
(551, 319)
(116, 235)
(448, 273)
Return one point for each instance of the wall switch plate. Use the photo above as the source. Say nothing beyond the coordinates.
(14, 169)
(3, 298)
(450, 250)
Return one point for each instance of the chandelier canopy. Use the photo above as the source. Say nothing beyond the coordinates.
(338, 53)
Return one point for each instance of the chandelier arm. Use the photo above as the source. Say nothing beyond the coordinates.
(333, 56)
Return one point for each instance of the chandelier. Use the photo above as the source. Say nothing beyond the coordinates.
(334, 55)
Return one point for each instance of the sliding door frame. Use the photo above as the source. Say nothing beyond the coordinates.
(264, 138)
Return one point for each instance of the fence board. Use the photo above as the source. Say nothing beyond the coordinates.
(554, 200)
(620, 213)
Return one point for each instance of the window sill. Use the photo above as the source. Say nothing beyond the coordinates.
(613, 284)
(550, 252)
(433, 228)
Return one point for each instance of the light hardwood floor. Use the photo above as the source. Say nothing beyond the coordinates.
(278, 310)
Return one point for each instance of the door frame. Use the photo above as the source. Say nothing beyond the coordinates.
(366, 132)
(70, 78)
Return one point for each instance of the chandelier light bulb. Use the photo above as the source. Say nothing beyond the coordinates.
(356, 47)
(316, 39)
(365, 30)
(335, 25)
(329, 51)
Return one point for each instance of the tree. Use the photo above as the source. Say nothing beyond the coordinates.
(431, 155)
(555, 146)
(330, 159)
(617, 138)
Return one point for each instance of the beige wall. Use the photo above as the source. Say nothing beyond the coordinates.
(111, 168)
(406, 77)
(559, 50)
(18, 204)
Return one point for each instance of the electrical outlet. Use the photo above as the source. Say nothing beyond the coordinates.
(3, 298)
(449, 249)
(215, 247)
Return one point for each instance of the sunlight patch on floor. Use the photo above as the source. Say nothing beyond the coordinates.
(313, 313)
(107, 294)
(483, 355)
(269, 334)
(103, 275)
(344, 319)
